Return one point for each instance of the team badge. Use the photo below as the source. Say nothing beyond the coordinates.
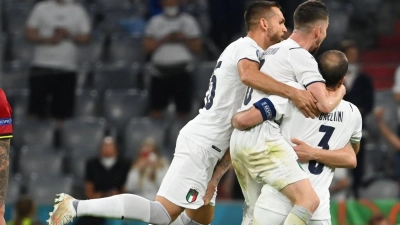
(192, 195)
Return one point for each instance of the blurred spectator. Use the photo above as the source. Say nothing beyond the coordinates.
(340, 184)
(226, 24)
(24, 212)
(378, 220)
(57, 28)
(147, 172)
(105, 176)
(229, 187)
(171, 38)
(389, 135)
(360, 92)
(396, 93)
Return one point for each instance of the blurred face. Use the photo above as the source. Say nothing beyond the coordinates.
(352, 55)
(276, 28)
(320, 35)
(146, 150)
(108, 149)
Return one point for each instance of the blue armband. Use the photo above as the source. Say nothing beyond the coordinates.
(266, 108)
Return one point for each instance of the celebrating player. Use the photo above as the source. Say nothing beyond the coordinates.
(328, 131)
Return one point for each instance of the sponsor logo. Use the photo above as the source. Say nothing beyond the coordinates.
(5, 121)
(192, 194)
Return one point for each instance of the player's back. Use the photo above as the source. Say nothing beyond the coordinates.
(211, 128)
(287, 61)
(328, 132)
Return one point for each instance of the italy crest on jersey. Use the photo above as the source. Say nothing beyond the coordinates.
(192, 194)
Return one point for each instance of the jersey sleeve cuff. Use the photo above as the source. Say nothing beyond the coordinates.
(253, 60)
(317, 81)
(6, 136)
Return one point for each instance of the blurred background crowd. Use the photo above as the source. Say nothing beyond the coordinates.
(101, 88)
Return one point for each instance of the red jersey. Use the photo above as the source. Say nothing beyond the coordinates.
(6, 129)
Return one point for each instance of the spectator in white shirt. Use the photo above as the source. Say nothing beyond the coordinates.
(171, 39)
(57, 28)
(147, 172)
(340, 185)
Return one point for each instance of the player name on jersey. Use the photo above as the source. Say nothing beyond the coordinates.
(336, 116)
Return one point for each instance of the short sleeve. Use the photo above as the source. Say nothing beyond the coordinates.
(151, 29)
(6, 127)
(280, 104)
(34, 17)
(84, 25)
(340, 173)
(248, 51)
(191, 28)
(396, 86)
(305, 67)
(357, 133)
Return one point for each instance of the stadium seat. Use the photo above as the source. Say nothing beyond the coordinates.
(122, 105)
(40, 161)
(17, 23)
(18, 99)
(83, 134)
(86, 103)
(22, 50)
(43, 189)
(138, 129)
(13, 190)
(173, 131)
(116, 76)
(126, 49)
(201, 78)
(32, 133)
(381, 189)
(15, 75)
(90, 53)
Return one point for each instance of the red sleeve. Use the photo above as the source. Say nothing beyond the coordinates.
(6, 129)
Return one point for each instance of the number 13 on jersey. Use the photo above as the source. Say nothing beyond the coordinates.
(211, 89)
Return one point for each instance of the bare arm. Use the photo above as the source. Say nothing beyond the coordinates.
(246, 119)
(81, 38)
(326, 100)
(342, 184)
(194, 44)
(251, 76)
(222, 166)
(32, 34)
(342, 158)
(4, 171)
(385, 130)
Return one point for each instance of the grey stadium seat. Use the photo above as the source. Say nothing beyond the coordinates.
(17, 23)
(381, 189)
(15, 75)
(18, 99)
(126, 49)
(39, 161)
(90, 53)
(201, 79)
(83, 134)
(33, 133)
(86, 103)
(13, 190)
(44, 188)
(22, 49)
(122, 105)
(116, 76)
(138, 130)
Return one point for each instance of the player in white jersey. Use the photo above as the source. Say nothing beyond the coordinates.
(328, 132)
(205, 139)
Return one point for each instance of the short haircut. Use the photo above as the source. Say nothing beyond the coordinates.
(256, 11)
(332, 66)
(308, 13)
(346, 45)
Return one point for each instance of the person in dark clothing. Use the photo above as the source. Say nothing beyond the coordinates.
(360, 92)
(105, 176)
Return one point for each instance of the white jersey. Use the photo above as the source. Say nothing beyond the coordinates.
(328, 131)
(211, 128)
(287, 61)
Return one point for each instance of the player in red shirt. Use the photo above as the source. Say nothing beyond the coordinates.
(6, 131)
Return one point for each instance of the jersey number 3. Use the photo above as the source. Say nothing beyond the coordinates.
(211, 89)
(312, 165)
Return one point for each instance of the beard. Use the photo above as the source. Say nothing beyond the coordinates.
(274, 37)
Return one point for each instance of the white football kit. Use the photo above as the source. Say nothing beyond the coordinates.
(285, 62)
(204, 140)
(328, 131)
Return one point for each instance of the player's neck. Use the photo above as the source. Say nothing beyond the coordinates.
(259, 39)
(301, 39)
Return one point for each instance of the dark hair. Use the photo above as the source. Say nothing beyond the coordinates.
(256, 10)
(24, 208)
(308, 13)
(332, 66)
(376, 218)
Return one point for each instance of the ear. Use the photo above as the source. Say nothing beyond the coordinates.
(317, 31)
(264, 24)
